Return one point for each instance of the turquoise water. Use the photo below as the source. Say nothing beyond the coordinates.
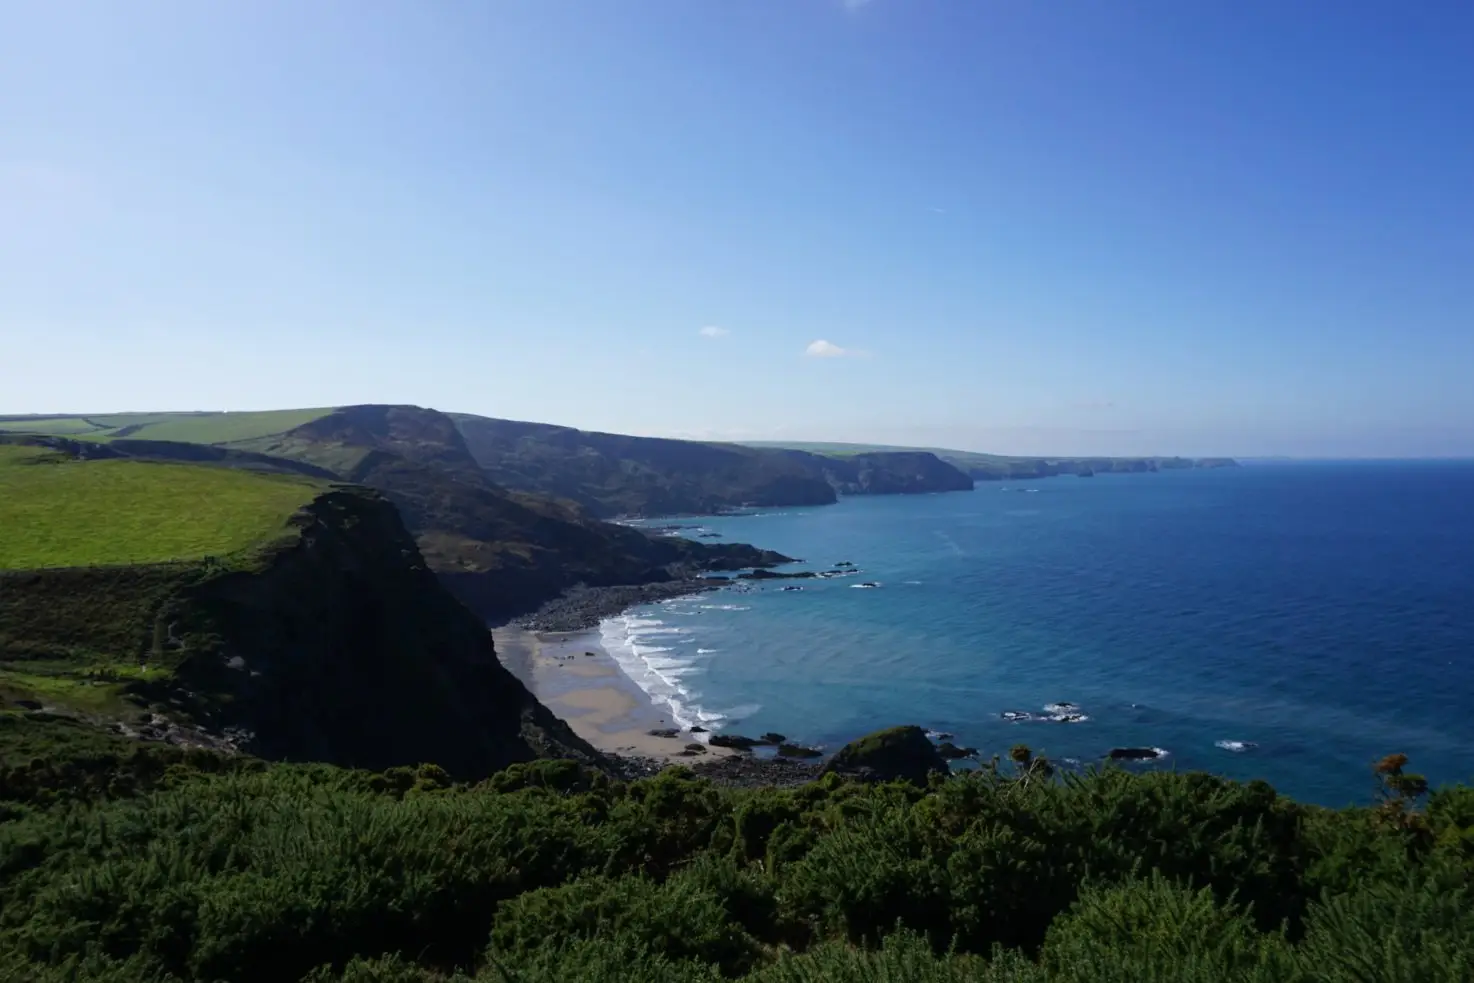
(1285, 622)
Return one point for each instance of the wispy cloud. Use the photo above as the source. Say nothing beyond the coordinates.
(828, 349)
(712, 331)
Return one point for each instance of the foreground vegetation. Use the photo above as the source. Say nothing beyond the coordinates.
(130, 864)
(58, 511)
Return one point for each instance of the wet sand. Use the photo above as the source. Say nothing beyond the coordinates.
(572, 675)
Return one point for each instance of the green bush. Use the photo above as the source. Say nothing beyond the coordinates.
(170, 866)
(683, 919)
(1154, 930)
(1421, 930)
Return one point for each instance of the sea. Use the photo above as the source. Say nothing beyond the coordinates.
(1291, 622)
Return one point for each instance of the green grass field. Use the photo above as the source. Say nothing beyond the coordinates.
(191, 428)
(57, 512)
(56, 426)
(222, 428)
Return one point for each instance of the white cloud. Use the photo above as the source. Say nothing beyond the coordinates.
(828, 349)
(712, 331)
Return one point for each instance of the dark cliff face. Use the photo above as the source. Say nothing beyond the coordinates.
(502, 552)
(610, 474)
(896, 473)
(343, 647)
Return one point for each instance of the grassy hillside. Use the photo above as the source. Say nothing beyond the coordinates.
(199, 428)
(161, 866)
(213, 604)
(58, 511)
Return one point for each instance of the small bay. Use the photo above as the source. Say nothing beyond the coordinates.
(1290, 622)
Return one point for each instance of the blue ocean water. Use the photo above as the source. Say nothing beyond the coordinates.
(1290, 622)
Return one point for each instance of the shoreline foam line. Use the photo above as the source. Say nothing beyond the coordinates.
(638, 645)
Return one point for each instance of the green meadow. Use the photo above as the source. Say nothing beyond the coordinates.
(193, 428)
(60, 512)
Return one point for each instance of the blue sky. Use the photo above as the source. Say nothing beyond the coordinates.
(1241, 227)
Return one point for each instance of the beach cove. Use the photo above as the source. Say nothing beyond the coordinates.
(1290, 623)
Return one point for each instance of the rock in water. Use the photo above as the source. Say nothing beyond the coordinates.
(736, 741)
(1135, 753)
(897, 752)
(773, 738)
(798, 751)
(951, 751)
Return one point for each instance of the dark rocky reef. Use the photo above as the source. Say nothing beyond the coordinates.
(1135, 754)
(777, 575)
(584, 607)
(894, 753)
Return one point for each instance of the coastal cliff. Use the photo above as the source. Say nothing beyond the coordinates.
(501, 551)
(319, 635)
(894, 473)
(612, 474)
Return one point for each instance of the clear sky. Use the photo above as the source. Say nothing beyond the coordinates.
(1034, 226)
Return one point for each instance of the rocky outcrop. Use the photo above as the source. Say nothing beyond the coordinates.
(895, 753)
(1135, 753)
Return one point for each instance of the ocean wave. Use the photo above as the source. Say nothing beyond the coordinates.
(725, 607)
(1237, 747)
(643, 627)
(1064, 707)
(655, 669)
(707, 651)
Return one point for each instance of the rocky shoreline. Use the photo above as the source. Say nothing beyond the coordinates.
(583, 608)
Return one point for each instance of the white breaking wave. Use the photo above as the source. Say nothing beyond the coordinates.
(658, 670)
(1238, 747)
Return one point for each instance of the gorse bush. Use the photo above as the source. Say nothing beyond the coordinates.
(189, 867)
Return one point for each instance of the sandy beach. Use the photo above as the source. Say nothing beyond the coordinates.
(572, 675)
